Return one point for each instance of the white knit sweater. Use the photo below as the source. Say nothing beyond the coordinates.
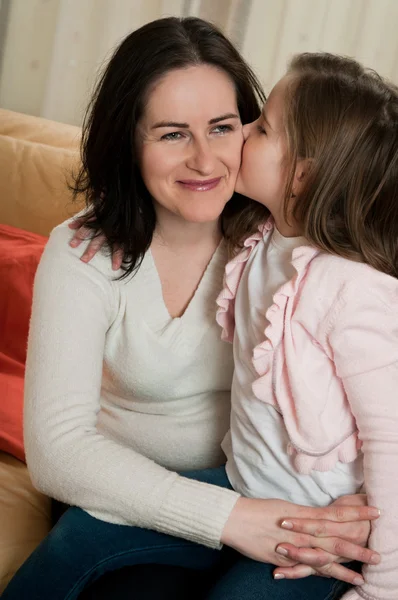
(119, 396)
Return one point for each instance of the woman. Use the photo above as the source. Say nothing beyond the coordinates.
(127, 380)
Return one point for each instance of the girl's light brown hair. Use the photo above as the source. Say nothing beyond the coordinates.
(344, 119)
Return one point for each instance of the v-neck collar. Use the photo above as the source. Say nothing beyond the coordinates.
(200, 292)
(201, 308)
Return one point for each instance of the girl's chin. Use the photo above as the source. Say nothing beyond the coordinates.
(240, 187)
(245, 190)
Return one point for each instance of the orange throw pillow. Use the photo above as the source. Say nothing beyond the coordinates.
(20, 252)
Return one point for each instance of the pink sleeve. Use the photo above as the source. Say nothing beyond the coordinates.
(353, 595)
(364, 342)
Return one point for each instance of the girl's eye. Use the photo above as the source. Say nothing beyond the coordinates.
(261, 129)
(173, 136)
(222, 129)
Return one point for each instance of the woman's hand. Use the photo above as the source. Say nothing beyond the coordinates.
(326, 563)
(83, 233)
(254, 529)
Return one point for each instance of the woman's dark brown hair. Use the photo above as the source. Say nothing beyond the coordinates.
(119, 204)
(344, 119)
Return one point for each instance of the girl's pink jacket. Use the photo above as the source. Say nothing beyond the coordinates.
(329, 362)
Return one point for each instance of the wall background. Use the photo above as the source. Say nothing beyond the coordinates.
(51, 50)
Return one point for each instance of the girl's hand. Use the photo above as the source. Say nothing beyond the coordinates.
(325, 563)
(254, 529)
(83, 233)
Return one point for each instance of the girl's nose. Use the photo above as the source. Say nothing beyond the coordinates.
(246, 130)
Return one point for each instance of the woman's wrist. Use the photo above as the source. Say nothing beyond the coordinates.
(196, 511)
(233, 522)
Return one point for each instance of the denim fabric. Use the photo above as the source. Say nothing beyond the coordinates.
(80, 549)
(246, 579)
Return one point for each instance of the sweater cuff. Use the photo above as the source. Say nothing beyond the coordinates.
(196, 511)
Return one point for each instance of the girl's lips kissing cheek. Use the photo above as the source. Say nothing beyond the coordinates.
(197, 185)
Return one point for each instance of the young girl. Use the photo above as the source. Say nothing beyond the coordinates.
(311, 301)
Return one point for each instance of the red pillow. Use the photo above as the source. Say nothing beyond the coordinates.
(20, 252)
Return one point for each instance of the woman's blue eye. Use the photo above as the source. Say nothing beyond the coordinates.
(222, 128)
(174, 135)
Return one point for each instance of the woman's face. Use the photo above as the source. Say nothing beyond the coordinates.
(189, 143)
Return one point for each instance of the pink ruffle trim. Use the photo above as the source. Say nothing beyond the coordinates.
(345, 452)
(233, 273)
(263, 353)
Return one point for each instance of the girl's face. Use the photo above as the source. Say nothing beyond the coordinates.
(264, 169)
(190, 143)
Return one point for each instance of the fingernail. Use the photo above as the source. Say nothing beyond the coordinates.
(374, 512)
(73, 243)
(375, 559)
(282, 551)
(279, 576)
(359, 580)
(287, 524)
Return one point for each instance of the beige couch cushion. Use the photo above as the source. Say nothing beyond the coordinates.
(37, 157)
(25, 516)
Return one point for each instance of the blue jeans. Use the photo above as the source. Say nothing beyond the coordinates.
(81, 548)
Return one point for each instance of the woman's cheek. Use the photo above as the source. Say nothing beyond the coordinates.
(245, 161)
(237, 154)
(161, 159)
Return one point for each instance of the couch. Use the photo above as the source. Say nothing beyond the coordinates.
(36, 159)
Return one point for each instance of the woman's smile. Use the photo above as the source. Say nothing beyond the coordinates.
(197, 185)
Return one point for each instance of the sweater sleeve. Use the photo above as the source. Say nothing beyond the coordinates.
(74, 305)
(364, 342)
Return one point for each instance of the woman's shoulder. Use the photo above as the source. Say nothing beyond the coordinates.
(58, 252)
(64, 280)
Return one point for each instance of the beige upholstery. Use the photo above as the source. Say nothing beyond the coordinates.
(36, 157)
(25, 516)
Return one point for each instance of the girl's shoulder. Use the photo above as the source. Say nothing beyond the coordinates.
(350, 279)
(337, 294)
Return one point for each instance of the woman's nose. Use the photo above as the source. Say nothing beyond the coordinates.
(202, 158)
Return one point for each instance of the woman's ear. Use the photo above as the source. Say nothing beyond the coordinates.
(303, 168)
